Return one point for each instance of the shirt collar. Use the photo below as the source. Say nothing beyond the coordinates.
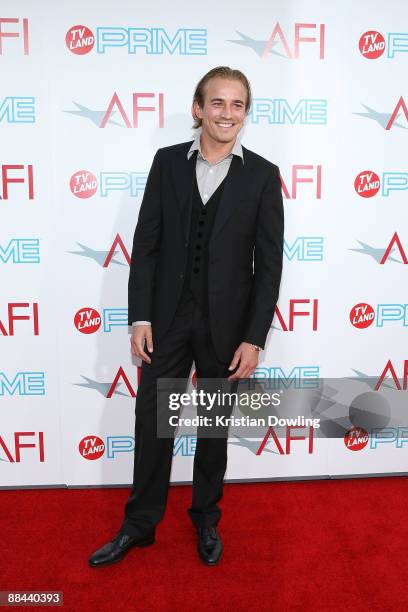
(196, 146)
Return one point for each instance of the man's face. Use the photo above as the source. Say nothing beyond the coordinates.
(223, 113)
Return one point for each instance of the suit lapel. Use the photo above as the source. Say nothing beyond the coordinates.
(231, 194)
(183, 175)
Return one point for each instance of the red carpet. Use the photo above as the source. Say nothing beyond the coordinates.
(317, 545)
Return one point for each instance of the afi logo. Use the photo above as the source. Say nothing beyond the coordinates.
(104, 258)
(12, 452)
(291, 44)
(293, 313)
(389, 370)
(12, 317)
(6, 179)
(395, 243)
(307, 436)
(8, 31)
(372, 44)
(137, 108)
(303, 174)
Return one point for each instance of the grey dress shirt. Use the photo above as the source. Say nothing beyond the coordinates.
(209, 176)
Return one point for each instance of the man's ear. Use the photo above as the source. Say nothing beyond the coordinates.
(196, 110)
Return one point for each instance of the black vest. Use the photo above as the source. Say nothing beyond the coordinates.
(202, 221)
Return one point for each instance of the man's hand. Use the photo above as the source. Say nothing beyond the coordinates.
(140, 335)
(247, 357)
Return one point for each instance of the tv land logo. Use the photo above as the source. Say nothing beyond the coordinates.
(22, 383)
(372, 44)
(303, 174)
(280, 111)
(80, 40)
(17, 109)
(20, 251)
(14, 448)
(84, 184)
(95, 447)
(88, 320)
(293, 313)
(383, 254)
(367, 183)
(387, 120)
(10, 28)
(30, 313)
(357, 438)
(304, 248)
(105, 258)
(290, 44)
(14, 174)
(130, 119)
(363, 315)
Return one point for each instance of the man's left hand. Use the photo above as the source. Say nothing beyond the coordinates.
(246, 356)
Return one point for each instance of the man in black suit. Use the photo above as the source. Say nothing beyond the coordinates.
(204, 280)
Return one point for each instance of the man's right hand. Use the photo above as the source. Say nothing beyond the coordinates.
(142, 334)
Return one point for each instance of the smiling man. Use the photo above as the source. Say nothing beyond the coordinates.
(204, 280)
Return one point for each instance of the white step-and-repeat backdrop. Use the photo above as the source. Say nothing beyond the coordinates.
(88, 92)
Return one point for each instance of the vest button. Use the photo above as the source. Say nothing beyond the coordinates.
(201, 223)
(200, 234)
(203, 211)
(186, 244)
(181, 275)
(196, 270)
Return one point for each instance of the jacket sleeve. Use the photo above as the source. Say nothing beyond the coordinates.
(268, 255)
(146, 245)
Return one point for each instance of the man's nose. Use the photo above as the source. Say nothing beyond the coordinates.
(227, 112)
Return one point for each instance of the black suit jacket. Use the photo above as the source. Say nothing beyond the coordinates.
(245, 249)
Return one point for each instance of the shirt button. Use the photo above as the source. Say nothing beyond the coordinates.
(205, 196)
(211, 170)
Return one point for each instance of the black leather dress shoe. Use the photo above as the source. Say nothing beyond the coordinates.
(117, 548)
(209, 545)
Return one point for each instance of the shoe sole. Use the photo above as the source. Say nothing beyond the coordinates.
(142, 544)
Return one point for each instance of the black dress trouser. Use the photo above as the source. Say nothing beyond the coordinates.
(187, 340)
